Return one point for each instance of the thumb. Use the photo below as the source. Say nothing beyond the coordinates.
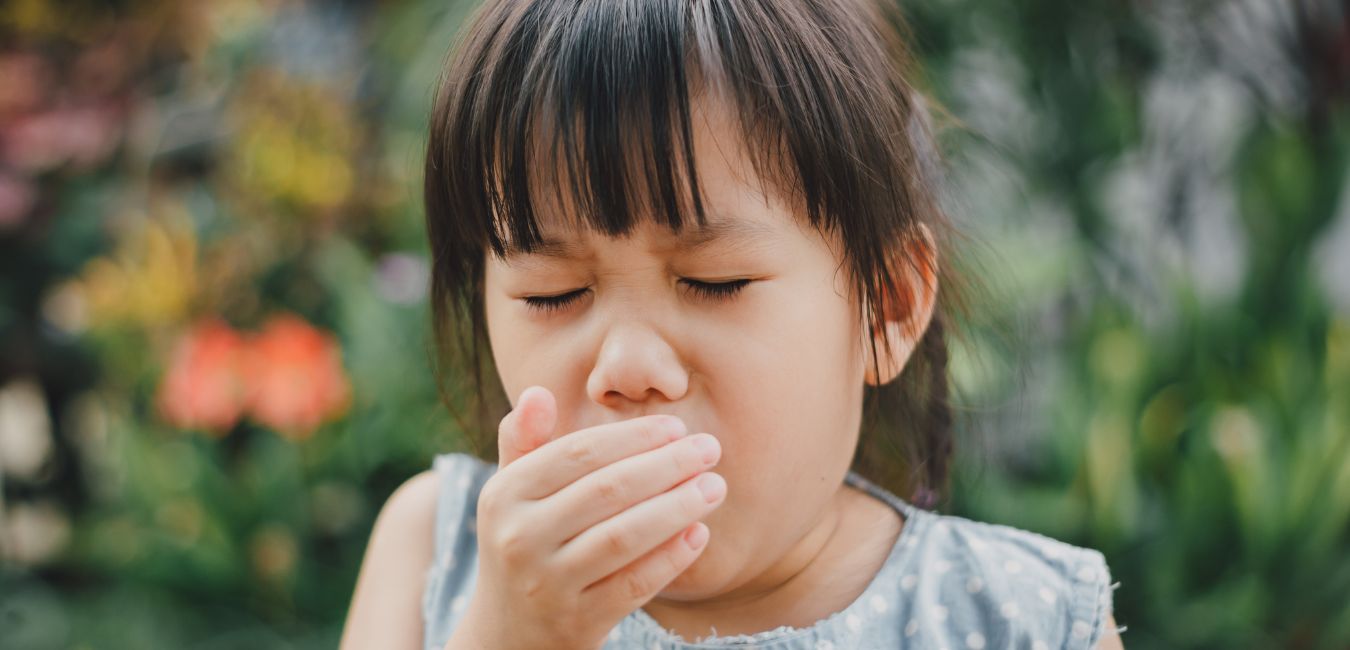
(528, 426)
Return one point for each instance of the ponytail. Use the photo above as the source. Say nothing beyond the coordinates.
(905, 444)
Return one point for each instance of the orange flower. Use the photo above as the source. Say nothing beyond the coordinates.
(202, 387)
(295, 377)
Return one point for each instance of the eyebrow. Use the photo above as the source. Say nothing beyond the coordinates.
(718, 230)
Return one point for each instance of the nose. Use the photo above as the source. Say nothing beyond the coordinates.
(635, 364)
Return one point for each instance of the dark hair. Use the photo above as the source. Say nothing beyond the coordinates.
(820, 91)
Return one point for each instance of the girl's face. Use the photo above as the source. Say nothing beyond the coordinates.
(772, 365)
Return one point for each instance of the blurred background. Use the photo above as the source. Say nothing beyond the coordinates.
(214, 354)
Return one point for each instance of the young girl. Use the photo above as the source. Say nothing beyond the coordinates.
(700, 241)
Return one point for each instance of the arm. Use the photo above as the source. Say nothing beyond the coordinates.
(386, 608)
(1111, 641)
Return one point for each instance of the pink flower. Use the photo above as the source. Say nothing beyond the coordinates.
(82, 136)
(295, 377)
(202, 388)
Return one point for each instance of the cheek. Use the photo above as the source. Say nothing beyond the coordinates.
(526, 353)
(498, 327)
(786, 377)
(796, 341)
(511, 344)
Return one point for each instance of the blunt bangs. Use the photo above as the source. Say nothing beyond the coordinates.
(590, 104)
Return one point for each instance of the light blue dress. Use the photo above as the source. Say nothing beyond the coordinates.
(948, 583)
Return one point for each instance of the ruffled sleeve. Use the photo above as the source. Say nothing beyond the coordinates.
(1023, 589)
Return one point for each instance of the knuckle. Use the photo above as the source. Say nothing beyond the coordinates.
(634, 585)
(512, 543)
(616, 542)
(581, 451)
(488, 502)
(533, 587)
(610, 492)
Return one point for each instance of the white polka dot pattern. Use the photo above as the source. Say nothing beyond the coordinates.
(939, 612)
(879, 604)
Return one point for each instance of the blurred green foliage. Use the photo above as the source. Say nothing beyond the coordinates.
(186, 188)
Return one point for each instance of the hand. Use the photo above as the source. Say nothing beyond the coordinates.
(575, 533)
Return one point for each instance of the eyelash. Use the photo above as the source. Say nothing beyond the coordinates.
(716, 291)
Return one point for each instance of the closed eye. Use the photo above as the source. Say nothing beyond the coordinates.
(715, 291)
(552, 303)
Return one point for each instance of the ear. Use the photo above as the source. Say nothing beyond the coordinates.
(907, 314)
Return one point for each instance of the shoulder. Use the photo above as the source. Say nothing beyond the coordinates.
(411, 505)
(407, 520)
(384, 606)
(419, 559)
(990, 582)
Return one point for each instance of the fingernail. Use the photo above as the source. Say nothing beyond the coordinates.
(696, 537)
(713, 486)
(708, 446)
(674, 426)
(525, 392)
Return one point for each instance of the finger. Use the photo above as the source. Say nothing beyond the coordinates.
(623, 538)
(529, 425)
(619, 486)
(639, 582)
(564, 460)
